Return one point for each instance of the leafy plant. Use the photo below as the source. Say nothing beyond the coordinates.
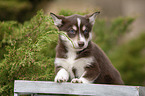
(26, 59)
(107, 33)
(129, 60)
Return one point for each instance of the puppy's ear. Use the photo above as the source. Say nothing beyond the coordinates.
(57, 19)
(92, 17)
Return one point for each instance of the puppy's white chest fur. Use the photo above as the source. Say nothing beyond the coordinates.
(71, 63)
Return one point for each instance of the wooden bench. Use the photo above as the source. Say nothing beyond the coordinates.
(35, 88)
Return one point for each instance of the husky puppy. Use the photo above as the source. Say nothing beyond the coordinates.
(78, 59)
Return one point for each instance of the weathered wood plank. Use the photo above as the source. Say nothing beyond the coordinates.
(141, 91)
(26, 87)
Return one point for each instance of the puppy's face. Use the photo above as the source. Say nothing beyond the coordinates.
(77, 28)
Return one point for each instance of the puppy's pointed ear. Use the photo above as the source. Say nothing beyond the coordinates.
(57, 19)
(92, 17)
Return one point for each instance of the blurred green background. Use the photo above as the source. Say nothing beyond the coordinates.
(28, 38)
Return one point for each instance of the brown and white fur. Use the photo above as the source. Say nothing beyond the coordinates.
(78, 59)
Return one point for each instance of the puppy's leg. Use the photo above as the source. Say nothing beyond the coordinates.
(90, 74)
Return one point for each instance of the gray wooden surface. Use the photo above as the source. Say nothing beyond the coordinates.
(30, 87)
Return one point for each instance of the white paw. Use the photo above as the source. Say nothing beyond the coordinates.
(81, 80)
(76, 80)
(62, 76)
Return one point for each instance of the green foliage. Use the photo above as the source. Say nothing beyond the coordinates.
(27, 51)
(107, 34)
(129, 58)
(27, 58)
(6, 35)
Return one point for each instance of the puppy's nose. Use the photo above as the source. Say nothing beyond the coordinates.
(81, 43)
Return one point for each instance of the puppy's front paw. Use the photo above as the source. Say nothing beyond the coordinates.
(76, 80)
(62, 76)
(80, 80)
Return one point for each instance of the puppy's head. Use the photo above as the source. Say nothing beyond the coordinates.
(78, 28)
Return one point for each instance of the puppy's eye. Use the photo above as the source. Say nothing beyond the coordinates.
(72, 31)
(86, 31)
